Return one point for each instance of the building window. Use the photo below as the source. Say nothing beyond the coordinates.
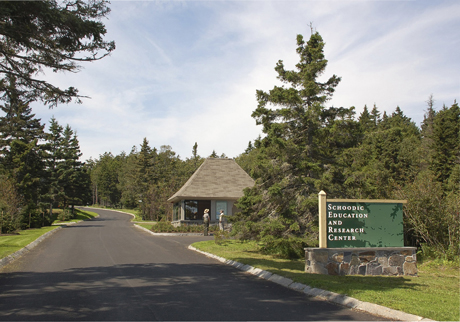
(194, 209)
(176, 211)
(221, 205)
(191, 209)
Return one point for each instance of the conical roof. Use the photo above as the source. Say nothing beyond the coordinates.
(215, 179)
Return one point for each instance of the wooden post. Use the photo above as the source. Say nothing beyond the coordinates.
(322, 220)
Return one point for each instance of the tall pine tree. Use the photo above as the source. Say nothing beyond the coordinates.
(21, 150)
(295, 160)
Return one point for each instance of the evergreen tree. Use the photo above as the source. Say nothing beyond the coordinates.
(303, 139)
(446, 143)
(49, 34)
(127, 179)
(53, 158)
(21, 151)
(195, 156)
(427, 134)
(366, 121)
(145, 175)
(375, 115)
(387, 157)
(105, 177)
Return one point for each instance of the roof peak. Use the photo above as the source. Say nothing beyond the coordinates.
(215, 179)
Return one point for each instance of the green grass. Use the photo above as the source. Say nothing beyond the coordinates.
(146, 226)
(12, 243)
(434, 294)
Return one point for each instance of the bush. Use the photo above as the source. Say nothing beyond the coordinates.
(220, 236)
(432, 216)
(290, 247)
(65, 215)
(10, 204)
(432, 253)
(163, 227)
(167, 227)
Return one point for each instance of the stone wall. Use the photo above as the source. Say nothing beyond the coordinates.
(391, 261)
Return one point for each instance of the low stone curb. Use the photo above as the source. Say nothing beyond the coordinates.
(8, 259)
(319, 293)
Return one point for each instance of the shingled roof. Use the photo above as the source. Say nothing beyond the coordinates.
(215, 179)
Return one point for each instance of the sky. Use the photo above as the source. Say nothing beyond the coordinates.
(186, 72)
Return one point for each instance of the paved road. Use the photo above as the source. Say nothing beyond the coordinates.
(106, 269)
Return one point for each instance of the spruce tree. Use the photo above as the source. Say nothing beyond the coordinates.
(145, 175)
(54, 35)
(127, 180)
(446, 143)
(21, 150)
(53, 158)
(296, 157)
(367, 120)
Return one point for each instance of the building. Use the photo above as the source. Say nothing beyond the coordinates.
(216, 185)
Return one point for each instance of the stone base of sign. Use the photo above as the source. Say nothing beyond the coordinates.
(390, 261)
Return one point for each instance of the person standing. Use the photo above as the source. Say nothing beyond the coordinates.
(221, 220)
(206, 220)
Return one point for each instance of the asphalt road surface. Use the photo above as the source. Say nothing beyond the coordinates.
(106, 270)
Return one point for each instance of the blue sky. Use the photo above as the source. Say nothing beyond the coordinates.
(187, 71)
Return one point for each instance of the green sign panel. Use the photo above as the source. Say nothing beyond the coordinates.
(364, 224)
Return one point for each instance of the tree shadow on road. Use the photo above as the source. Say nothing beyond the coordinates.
(187, 292)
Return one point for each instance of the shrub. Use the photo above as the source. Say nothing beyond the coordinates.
(10, 204)
(220, 236)
(65, 215)
(163, 227)
(290, 247)
(167, 227)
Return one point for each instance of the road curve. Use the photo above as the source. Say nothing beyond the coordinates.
(108, 270)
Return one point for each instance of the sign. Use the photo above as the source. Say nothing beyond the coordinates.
(348, 223)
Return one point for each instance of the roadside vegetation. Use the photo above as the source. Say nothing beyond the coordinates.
(167, 227)
(434, 294)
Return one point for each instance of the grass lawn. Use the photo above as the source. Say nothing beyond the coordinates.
(434, 294)
(146, 226)
(12, 243)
